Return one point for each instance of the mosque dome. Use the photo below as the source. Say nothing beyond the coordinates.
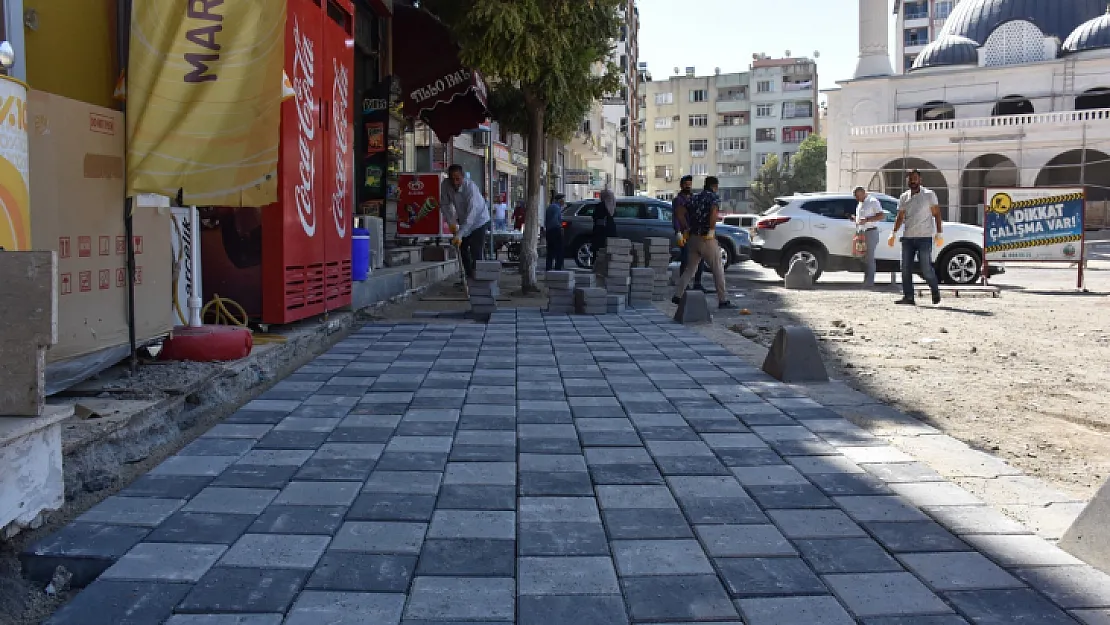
(1093, 34)
(977, 20)
(948, 50)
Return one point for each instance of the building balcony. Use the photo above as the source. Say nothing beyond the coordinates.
(728, 181)
(1009, 127)
(728, 132)
(794, 87)
(733, 106)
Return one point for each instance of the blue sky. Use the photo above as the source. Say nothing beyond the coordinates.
(725, 33)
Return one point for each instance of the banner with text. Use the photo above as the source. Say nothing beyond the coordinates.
(204, 100)
(1034, 224)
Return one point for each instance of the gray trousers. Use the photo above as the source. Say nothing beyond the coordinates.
(872, 247)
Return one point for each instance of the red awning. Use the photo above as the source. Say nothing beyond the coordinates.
(436, 87)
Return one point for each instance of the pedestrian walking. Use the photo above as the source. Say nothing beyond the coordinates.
(919, 210)
(604, 224)
(696, 219)
(467, 214)
(501, 214)
(519, 215)
(553, 228)
(685, 193)
(868, 213)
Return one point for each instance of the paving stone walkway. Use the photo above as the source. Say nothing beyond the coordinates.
(550, 470)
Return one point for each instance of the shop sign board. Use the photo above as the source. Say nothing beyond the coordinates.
(419, 212)
(576, 176)
(15, 215)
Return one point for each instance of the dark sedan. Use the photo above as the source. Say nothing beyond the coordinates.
(637, 219)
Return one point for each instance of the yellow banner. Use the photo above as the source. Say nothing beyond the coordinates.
(15, 209)
(204, 99)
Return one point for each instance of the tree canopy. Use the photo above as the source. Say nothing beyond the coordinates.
(550, 53)
(547, 64)
(805, 173)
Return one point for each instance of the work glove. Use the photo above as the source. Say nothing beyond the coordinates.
(457, 242)
(454, 228)
(938, 240)
(681, 240)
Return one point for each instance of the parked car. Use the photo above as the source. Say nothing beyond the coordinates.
(818, 229)
(746, 222)
(637, 219)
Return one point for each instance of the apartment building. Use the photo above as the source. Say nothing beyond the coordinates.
(919, 23)
(724, 125)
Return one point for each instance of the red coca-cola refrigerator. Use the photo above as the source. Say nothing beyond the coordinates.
(292, 260)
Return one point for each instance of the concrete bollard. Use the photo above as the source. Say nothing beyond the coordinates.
(794, 356)
(693, 308)
(798, 276)
(1088, 538)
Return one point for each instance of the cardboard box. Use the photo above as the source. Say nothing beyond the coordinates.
(77, 210)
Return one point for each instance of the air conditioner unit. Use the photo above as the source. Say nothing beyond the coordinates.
(480, 139)
(677, 118)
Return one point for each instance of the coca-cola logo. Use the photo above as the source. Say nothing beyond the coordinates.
(340, 94)
(416, 186)
(303, 80)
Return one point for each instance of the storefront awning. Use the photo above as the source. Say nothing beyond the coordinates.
(450, 98)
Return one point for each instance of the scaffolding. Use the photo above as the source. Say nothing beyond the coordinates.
(1085, 164)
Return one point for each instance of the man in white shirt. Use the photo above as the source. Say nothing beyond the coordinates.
(868, 213)
(467, 214)
(919, 210)
(501, 214)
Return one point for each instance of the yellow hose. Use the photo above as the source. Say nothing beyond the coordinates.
(223, 315)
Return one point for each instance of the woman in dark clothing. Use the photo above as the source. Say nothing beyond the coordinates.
(604, 224)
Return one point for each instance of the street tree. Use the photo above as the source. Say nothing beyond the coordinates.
(546, 62)
(807, 166)
(772, 181)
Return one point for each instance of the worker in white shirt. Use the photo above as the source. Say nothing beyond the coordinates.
(467, 215)
(868, 213)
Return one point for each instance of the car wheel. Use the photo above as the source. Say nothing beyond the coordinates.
(809, 254)
(960, 266)
(726, 253)
(584, 254)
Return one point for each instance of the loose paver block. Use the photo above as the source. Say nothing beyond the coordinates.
(276, 551)
(567, 576)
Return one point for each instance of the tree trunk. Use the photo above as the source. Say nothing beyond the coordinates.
(529, 254)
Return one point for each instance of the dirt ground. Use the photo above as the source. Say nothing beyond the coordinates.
(1022, 376)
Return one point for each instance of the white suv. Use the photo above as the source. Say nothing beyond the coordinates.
(818, 228)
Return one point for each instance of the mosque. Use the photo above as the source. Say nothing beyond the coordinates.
(1011, 93)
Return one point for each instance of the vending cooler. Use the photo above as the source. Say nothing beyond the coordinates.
(292, 260)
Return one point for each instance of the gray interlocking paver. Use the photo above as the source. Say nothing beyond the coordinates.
(794, 611)
(555, 470)
(154, 562)
(346, 608)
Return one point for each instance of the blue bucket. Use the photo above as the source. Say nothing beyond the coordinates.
(360, 254)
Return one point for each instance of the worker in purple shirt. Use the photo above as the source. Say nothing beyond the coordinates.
(686, 192)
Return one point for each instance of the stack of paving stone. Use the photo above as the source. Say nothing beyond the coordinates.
(616, 304)
(638, 258)
(658, 254)
(591, 301)
(560, 291)
(643, 287)
(484, 288)
(615, 259)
